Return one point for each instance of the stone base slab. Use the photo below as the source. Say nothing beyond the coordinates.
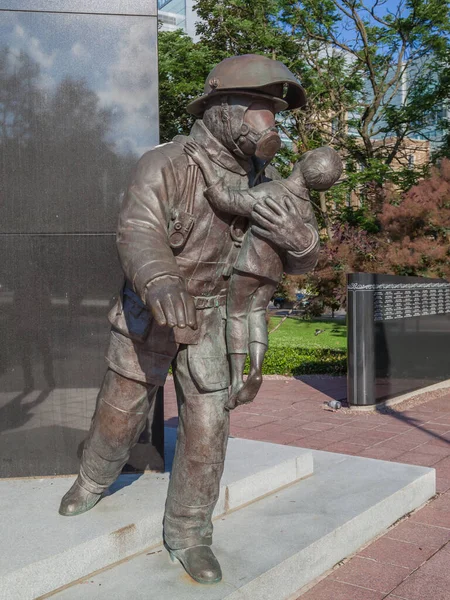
(42, 551)
(272, 548)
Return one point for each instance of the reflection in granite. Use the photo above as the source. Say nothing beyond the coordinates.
(76, 116)
(55, 295)
(38, 428)
(78, 110)
(399, 333)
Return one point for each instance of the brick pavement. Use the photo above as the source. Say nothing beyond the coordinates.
(412, 560)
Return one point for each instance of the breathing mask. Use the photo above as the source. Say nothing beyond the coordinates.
(262, 144)
(243, 137)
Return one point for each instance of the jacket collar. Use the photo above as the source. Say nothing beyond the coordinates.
(217, 152)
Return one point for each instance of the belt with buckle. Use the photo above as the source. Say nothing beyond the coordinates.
(209, 302)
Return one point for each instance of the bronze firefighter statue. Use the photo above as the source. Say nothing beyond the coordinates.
(190, 234)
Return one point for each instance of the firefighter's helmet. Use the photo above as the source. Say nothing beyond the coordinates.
(252, 75)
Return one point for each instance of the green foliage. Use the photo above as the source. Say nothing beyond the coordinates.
(375, 75)
(183, 68)
(443, 151)
(359, 217)
(353, 58)
(232, 27)
(411, 238)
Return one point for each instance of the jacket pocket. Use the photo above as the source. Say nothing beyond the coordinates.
(130, 316)
(210, 373)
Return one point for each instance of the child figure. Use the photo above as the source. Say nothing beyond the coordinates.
(259, 266)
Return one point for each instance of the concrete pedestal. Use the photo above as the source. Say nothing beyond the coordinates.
(273, 534)
(272, 548)
(42, 551)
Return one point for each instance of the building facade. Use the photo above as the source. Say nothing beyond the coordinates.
(177, 14)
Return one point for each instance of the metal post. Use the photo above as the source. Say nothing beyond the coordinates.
(361, 340)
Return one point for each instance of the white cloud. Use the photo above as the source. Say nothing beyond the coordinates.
(132, 88)
(36, 52)
(79, 51)
(13, 57)
(32, 46)
(19, 31)
(45, 80)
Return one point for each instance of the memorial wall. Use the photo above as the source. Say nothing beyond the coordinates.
(78, 106)
(398, 335)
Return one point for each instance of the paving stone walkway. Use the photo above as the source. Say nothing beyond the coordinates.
(412, 560)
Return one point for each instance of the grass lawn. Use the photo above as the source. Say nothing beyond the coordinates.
(294, 349)
(300, 333)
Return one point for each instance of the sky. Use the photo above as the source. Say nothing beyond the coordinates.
(380, 7)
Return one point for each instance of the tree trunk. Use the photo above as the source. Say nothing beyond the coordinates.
(324, 210)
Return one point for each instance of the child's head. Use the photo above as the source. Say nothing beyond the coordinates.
(320, 168)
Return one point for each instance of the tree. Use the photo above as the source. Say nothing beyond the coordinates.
(402, 56)
(409, 236)
(183, 68)
(417, 229)
(374, 76)
(238, 27)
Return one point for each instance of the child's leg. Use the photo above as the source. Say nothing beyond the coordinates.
(240, 297)
(258, 341)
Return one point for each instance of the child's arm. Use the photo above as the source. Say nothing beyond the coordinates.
(221, 197)
(198, 154)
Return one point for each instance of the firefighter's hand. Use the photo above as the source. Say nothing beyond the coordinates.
(170, 303)
(282, 224)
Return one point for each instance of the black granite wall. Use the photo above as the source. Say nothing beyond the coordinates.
(398, 335)
(78, 106)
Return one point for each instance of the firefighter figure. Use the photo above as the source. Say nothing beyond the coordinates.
(178, 254)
